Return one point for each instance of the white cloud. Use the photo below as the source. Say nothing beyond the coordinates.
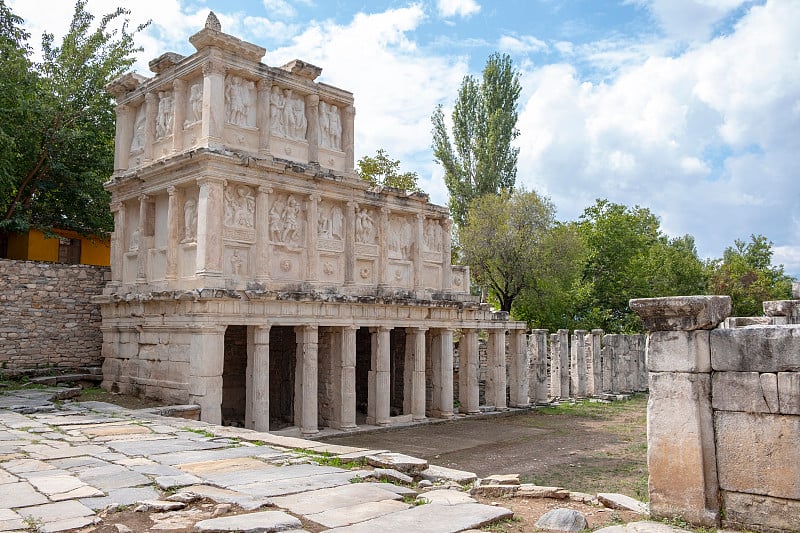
(647, 136)
(462, 8)
(690, 20)
(279, 8)
(521, 45)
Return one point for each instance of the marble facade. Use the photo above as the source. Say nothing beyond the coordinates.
(255, 274)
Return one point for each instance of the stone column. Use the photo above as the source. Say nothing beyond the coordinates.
(260, 378)
(607, 354)
(178, 113)
(447, 245)
(141, 257)
(518, 373)
(442, 373)
(563, 361)
(344, 380)
(383, 248)
(151, 109)
(468, 381)
(117, 242)
(206, 361)
(348, 138)
(312, 236)
(419, 230)
(312, 132)
(213, 104)
(415, 359)
(262, 233)
(379, 393)
(496, 369)
(209, 228)
(350, 244)
(681, 454)
(263, 116)
(537, 348)
(173, 228)
(594, 384)
(555, 367)
(305, 380)
(123, 137)
(577, 357)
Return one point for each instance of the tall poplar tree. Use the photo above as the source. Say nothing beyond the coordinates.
(480, 160)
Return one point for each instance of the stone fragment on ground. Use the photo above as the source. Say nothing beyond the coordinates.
(440, 473)
(501, 479)
(642, 527)
(158, 506)
(562, 520)
(389, 474)
(398, 461)
(446, 497)
(529, 490)
(261, 522)
(622, 502)
(494, 491)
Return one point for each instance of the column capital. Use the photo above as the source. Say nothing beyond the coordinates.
(210, 180)
(178, 84)
(416, 329)
(117, 206)
(315, 197)
(150, 98)
(312, 99)
(265, 189)
(380, 329)
(214, 67)
(143, 197)
(171, 190)
(306, 328)
(420, 216)
(264, 84)
(447, 223)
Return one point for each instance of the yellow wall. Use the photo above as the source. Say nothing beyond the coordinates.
(36, 247)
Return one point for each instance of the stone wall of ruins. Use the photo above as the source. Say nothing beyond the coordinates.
(724, 412)
(48, 317)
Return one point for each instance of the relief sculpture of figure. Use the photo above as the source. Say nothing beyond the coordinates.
(137, 143)
(295, 116)
(275, 223)
(237, 100)
(236, 263)
(189, 221)
(365, 228)
(289, 219)
(335, 128)
(240, 206)
(195, 113)
(337, 223)
(324, 125)
(165, 114)
(276, 112)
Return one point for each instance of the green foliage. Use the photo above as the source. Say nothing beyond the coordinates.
(385, 171)
(57, 122)
(746, 274)
(480, 160)
(505, 241)
(628, 256)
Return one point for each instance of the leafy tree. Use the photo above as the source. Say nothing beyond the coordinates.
(481, 159)
(746, 274)
(385, 171)
(627, 256)
(503, 242)
(57, 123)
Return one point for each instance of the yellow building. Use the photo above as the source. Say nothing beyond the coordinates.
(67, 247)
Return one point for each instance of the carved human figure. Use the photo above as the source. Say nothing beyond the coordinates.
(337, 223)
(295, 116)
(324, 125)
(277, 120)
(165, 114)
(237, 100)
(134, 246)
(137, 143)
(365, 227)
(289, 219)
(399, 238)
(189, 220)
(195, 113)
(433, 236)
(240, 206)
(335, 127)
(236, 263)
(275, 223)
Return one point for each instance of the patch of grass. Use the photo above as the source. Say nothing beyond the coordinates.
(22, 383)
(203, 432)
(327, 459)
(415, 500)
(501, 526)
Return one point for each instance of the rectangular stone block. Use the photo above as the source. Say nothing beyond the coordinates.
(789, 392)
(756, 349)
(758, 454)
(748, 392)
(680, 447)
(749, 512)
(678, 351)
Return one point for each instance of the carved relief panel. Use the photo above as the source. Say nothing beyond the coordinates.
(286, 221)
(138, 137)
(330, 221)
(165, 115)
(239, 203)
(400, 238)
(330, 121)
(240, 98)
(194, 104)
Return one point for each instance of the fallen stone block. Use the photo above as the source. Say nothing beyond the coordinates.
(436, 473)
(622, 502)
(397, 461)
(263, 522)
(501, 479)
(562, 520)
(493, 491)
(528, 490)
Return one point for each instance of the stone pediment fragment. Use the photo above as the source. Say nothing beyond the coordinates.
(125, 84)
(302, 69)
(164, 62)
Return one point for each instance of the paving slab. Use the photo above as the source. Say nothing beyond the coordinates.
(59, 485)
(220, 466)
(203, 454)
(54, 512)
(21, 494)
(161, 446)
(220, 495)
(22, 466)
(265, 521)
(398, 461)
(446, 497)
(124, 496)
(440, 473)
(173, 482)
(285, 487)
(268, 473)
(78, 463)
(353, 514)
(317, 501)
(10, 520)
(42, 451)
(113, 477)
(7, 477)
(116, 430)
(642, 527)
(397, 489)
(432, 518)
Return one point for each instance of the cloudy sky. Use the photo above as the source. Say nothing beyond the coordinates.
(690, 108)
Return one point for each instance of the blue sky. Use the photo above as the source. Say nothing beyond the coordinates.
(690, 108)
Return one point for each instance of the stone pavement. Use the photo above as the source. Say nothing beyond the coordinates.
(71, 466)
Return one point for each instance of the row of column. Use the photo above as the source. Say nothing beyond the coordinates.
(206, 369)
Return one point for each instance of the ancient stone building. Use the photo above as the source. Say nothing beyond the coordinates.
(255, 274)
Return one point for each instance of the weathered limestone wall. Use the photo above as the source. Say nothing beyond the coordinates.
(724, 414)
(48, 318)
